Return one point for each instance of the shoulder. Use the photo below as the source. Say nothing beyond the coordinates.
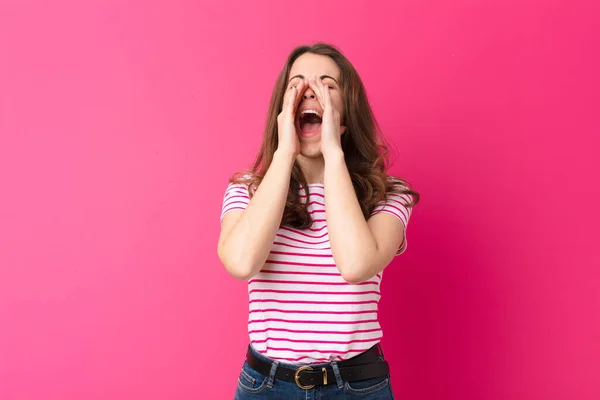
(245, 182)
(399, 198)
(237, 195)
(397, 187)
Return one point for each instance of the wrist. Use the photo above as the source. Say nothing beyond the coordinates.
(334, 156)
(284, 156)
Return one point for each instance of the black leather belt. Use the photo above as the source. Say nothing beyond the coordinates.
(364, 366)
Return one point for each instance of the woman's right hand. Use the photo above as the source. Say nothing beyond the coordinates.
(288, 137)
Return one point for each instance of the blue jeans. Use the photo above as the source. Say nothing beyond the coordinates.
(253, 385)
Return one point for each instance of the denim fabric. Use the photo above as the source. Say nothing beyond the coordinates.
(254, 386)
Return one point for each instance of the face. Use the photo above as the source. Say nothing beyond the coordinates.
(321, 67)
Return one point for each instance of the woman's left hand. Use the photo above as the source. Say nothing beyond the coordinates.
(331, 130)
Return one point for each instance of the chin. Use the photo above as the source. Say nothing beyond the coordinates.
(311, 151)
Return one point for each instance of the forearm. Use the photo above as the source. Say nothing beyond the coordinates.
(248, 243)
(352, 243)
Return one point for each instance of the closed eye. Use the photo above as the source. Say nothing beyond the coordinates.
(293, 83)
(329, 85)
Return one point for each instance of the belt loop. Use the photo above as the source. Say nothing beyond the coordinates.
(271, 380)
(381, 351)
(338, 376)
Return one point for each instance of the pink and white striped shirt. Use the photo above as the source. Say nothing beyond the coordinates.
(301, 309)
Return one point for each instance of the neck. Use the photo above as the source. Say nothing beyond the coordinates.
(313, 168)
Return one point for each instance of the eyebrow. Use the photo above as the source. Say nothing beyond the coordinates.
(322, 77)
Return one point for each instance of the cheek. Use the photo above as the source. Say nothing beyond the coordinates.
(338, 104)
(340, 108)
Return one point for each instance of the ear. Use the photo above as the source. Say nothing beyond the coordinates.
(342, 130)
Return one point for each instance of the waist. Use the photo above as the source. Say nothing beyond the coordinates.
(303, 349)
(366, 365)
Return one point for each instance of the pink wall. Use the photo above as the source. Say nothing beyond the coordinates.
(120, 124)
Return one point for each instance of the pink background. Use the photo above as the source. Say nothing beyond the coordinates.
(120, 124)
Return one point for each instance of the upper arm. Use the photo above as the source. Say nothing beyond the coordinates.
(227, 223)
(235, 201)
(387, 223)
(236, 197)
(389, 235)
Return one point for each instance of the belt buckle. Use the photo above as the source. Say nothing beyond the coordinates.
(297, 377)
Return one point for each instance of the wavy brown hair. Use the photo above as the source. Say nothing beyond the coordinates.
(365, 150)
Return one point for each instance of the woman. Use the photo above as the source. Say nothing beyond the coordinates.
(311, 227)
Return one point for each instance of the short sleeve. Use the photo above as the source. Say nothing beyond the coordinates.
(396, 204)
(236, 198)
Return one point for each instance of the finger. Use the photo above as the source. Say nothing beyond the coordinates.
(323, 88)
(328, 109)
(327, 96)
(286, 98)
(289, 108)
(313, 85)
(300, 89)
(321, 85)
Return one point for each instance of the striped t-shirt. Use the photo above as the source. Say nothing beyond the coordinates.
(301, 310)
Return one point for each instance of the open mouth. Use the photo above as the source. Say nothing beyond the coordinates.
(309, 122)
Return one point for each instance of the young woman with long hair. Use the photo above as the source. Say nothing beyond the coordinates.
(311, 227)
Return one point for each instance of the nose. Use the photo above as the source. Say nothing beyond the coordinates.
(309, 94)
